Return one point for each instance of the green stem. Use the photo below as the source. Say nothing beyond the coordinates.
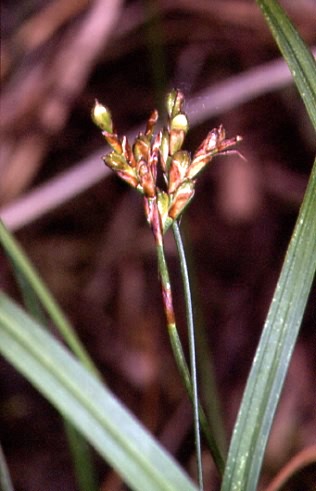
(191, 337)
(179, 355)
(207, 382)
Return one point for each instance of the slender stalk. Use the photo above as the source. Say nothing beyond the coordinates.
(179, 355)
(191, 337)
(171, 324)
(189, 380)
(208, 390)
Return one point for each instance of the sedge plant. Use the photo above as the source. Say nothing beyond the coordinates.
(70, 381)
(139, 165)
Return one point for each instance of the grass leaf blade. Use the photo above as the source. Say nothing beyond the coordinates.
(24, 268)
(37, 298)
(87, 404)
(5, 479)
(274, 351)
(295, 52)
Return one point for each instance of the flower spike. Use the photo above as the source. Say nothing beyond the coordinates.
(138, 164)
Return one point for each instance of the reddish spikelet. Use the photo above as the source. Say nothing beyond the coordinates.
(212, 145)
(138, 165)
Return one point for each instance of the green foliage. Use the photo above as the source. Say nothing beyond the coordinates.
(285, 315)
(274, 352)
(295, 52)
(72, 385)
(5, 479)
(82, 399)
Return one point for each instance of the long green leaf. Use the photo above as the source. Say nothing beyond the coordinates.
(37, 300)
(33, 281)
(285, 315)
(295, 52)
(84, 401)
(5, 479)
(274, 352)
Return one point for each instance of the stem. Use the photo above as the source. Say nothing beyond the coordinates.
(191, 337)
(190, 384)
(207, 384)
(179, 355)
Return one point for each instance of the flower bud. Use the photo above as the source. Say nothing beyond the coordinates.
(101, 116)
(114, 141)
(146, 179)
(115, 161)
(127, 152)
(213, 144)
(152, 120)
(179, 122)
(153, 218)
(163, 207)
(119, 165)
(141, 148)
(128, 175)
(178, 169)
(179, 126)
(176, 139)
(197, 164)
(174, 102)
(181, 199)
(164, 149)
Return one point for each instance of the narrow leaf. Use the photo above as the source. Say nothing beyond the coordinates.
(87, 404)
(37, 287)
(285, 315)
(274, 351)
(295, 52)
(5, 479)
(37, 299)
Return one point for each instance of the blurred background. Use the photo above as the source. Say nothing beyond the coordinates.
(86, 233)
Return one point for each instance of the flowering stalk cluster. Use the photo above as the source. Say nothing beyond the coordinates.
(138, 164)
